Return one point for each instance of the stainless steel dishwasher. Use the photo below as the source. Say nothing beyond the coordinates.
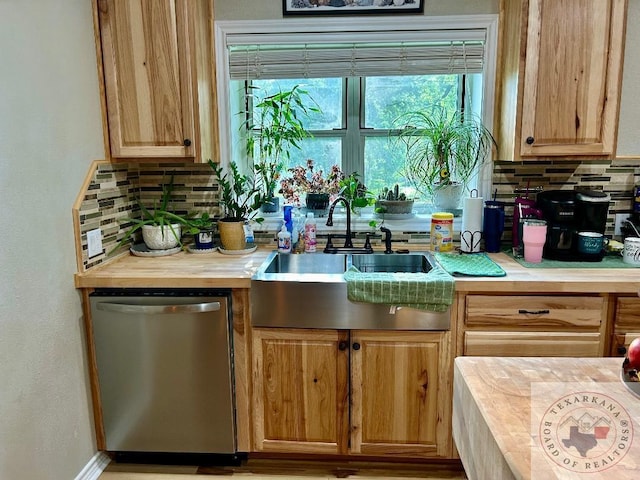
(165, 370)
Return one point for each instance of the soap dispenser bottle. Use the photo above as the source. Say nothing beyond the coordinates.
(284, 240)
(310, 234)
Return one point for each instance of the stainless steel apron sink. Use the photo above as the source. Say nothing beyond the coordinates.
(309, 291)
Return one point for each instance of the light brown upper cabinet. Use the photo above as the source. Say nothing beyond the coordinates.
(559, 77)
(155, 58)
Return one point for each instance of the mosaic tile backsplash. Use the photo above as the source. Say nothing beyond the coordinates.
(114, 189)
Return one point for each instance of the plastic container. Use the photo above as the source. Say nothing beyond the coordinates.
(310, 242)
(442, 232)
(284, 240)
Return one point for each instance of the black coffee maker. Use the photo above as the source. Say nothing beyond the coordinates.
(568, 212)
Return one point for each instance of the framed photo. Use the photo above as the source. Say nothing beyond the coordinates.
(351, 7)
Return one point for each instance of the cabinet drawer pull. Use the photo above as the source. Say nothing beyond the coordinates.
(356, 346)
(342, 346)
(534, 312)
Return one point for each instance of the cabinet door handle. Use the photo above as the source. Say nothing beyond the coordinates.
(534, 312)
(187, 142)
(356, 346)
(530, 140)
(622, 350)
(342, 346)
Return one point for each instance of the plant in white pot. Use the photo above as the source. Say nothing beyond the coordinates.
(161, 229)
(241, 196)
(444, 151)
(278, 128)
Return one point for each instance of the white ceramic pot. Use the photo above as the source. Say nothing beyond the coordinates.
(631, 252)
(447, 198)
(161, 238)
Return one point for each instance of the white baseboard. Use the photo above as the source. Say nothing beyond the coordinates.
(95, 467)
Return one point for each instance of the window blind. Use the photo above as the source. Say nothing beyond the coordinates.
(453, 53)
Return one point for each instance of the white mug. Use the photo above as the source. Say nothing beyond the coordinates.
(631, 252)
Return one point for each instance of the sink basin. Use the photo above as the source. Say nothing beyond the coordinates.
(410, 263)
(309, 291)
(308, 263)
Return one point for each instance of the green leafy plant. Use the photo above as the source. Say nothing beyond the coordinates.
(241, 195)
(197, 224)
(279, 128)
(442, 148)
(159, 215)
(393, 194)
(356, 192)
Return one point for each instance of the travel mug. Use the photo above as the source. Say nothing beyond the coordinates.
(534, 234)
(493, 225)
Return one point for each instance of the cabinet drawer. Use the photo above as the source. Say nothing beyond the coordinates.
(520, 344)
(628, 312)
(534, 311)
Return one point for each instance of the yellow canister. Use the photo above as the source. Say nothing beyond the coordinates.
(442, 232)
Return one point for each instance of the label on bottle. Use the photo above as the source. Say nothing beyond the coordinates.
(442, 232)
(284, 243)
(310, 242)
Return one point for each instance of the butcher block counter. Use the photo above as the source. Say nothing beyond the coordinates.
(217, 270)
(542, 418)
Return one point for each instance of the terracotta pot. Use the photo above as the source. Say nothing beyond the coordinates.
(161, 238)
(232, 234)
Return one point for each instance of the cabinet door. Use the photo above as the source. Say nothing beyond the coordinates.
(400, 393)
(147, 48)
(573, 68)
(300, 390)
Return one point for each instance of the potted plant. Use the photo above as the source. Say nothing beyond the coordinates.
(356, 192)
(279, 128)
(443, 152)
(313, 185)
(394, 202)
(241, 197)
(201, 227)
(161, 229)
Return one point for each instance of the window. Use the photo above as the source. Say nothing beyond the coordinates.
(361, 86)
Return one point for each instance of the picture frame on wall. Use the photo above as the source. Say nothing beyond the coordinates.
(351, 7)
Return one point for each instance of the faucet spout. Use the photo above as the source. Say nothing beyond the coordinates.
(347, 243)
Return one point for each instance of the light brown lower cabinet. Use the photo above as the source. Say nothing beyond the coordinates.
(534, 325)
(352, 392)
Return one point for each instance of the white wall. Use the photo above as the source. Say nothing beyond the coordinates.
(50, 131)
(628, 138)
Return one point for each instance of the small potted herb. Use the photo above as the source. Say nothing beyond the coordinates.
(201, 227)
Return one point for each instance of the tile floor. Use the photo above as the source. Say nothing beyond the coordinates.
(290, 470)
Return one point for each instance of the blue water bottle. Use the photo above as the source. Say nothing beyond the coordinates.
(493, 225)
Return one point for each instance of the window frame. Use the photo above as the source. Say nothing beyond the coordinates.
(353, 29)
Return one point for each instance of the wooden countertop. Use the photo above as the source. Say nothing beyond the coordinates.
(182, 270)
(217, 270)
(514, 418)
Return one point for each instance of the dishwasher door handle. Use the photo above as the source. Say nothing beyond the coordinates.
(159, 309)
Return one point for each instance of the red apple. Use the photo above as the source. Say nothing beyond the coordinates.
(633, 353)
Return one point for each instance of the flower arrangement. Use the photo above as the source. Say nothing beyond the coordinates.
(305, 180)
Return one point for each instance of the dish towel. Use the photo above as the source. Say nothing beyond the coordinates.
(431, 291)
(469, 265)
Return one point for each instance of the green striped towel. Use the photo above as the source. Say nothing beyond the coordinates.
(431, 291)
(469, 264)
